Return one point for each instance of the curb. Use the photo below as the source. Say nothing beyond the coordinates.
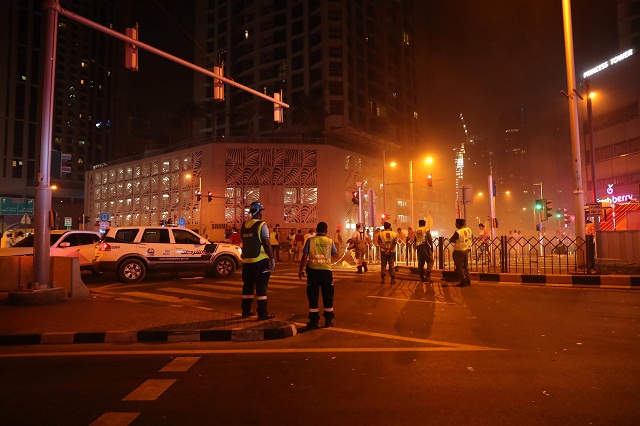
(627, 282)
(152, 336)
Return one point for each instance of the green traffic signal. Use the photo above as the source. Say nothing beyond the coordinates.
(539, 204)
(559, 214)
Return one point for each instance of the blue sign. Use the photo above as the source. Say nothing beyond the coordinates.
(104, 217)
(182, 222)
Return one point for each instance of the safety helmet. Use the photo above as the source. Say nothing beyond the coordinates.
(255, 207)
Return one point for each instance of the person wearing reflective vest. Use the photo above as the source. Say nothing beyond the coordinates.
(461, 240)
(316, 260)
(257, 263)
(275, 242)
(387, 240)
(424, 250)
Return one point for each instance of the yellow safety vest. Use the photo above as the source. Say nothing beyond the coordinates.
(389, 239)
(273, 237)
(463, 243)
(252, 249)
(320, 252)
(421, 235)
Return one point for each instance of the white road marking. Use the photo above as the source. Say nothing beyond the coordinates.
(404, 299)
(181, 363)
(198, 293)
(150, 390)
(115, 419)
(160, 297)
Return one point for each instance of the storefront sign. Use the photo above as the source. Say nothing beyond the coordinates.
(606, 64)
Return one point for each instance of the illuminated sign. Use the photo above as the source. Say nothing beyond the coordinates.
(615, 199)
(606, 64)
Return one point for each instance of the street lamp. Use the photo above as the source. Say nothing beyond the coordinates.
(427, 160)
(591, 95)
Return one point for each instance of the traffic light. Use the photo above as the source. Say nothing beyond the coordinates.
(567, 218)
(209, 196)
(59, 164)
(548, 209)
(131, 50)
(278, 111)
(355, 199)
(559, 214)
(429, 180)
(218, 85)
(198, 195)
(538, 205)
(384, 217)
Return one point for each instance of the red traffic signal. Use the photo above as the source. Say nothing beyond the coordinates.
(198, 196)
(429, 180)
(209, 196)
(355, 199)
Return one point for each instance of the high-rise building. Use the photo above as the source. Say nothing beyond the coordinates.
(83, 105)
(347, 68)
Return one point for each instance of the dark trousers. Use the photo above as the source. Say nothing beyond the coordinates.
(461, 260)
(424, 256)
(389, 258)
(276, 251)
(255, 277)
(320, 281)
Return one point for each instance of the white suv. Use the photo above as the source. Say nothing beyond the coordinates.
(72, 243)
(131, 251)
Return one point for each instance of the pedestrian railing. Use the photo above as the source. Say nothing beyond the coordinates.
(516, 255)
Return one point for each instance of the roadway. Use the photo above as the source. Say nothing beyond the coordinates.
(485, 354)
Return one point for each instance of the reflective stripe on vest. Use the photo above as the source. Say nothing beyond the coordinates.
(320, 252)
(252, 249)
(463, 243)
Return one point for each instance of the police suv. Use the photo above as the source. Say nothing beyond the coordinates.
(132, 251)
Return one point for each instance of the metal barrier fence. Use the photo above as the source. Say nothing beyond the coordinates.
(512, 255)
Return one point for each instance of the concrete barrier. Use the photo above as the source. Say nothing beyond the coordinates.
(16, 274)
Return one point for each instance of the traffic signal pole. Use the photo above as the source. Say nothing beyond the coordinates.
(41, 253)
(165, 55)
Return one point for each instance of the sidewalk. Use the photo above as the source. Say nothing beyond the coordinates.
(102, 319)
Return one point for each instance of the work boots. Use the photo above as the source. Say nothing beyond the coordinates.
(328, 319)
(263, 314)
(246, 308)
(314, 319)
(364, 265)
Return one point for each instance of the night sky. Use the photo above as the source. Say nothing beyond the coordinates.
(476, 57)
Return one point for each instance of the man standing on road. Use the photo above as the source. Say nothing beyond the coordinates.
(257, 263)
(360, 239)
(275, 242)
(387, 240)
(461, 240)
(424, 249)
(316, 259)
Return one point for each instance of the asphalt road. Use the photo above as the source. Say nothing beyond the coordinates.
(486, 354)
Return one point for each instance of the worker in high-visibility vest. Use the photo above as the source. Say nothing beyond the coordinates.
(461, 240)
(257, 263)
(388, 240)
(316, 261)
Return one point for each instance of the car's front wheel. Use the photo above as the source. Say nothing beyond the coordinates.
(224, 266)
(132, 271)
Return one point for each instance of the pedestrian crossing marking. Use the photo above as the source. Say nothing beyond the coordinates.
(161, 298)
(197, 293)
(115, 419)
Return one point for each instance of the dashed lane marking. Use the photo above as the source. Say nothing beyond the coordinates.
(179, 364)
(115, 419)
(150, 390)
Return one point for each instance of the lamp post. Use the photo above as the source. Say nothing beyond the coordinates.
(591, 95)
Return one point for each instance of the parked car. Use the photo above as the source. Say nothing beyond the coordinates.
(72, 243)
(132, 251)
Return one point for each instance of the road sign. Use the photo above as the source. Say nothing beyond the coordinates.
(182, 222)
(104, 217)
(67, 221)
(595, 209)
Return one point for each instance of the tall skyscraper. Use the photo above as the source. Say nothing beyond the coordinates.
(347, 68)
(84, 97)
